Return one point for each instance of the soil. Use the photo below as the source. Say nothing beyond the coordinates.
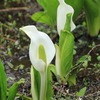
(14, 46)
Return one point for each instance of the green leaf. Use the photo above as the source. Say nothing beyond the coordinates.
(49, 92)
(41, 17)
(82, 59)
(66, 44)
(42, 3)
(35, 83)
(81, 92)
(92, 10)
(50, 9)
(14, 89)
(98, 58)
(3, 82)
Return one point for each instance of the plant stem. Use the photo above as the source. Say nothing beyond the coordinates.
(43, 86)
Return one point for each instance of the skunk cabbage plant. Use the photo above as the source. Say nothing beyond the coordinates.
(64, 52)
(92, 10)
(41, 52)
(62, 11)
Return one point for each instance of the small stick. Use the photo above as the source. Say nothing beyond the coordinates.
(13, 9)
(10, 39)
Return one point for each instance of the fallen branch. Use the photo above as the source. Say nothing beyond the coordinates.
(12, 40)
(1, 46)
(92, 94)
(13, 9)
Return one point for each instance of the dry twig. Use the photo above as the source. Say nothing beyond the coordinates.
(13, 9)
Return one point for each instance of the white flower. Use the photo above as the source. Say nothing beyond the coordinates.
(62, 10)
(39, 38)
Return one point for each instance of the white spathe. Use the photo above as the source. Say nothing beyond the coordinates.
(62, 10)
(39, 38)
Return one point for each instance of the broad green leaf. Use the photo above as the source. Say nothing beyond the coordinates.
(66, 44)
(42, 17)
(35, 84)
(81, 92)
(3, 82)
(50, 9)
(77, 5)
(49, 92)
(92, 9)
(42, 3)
(14, 89)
